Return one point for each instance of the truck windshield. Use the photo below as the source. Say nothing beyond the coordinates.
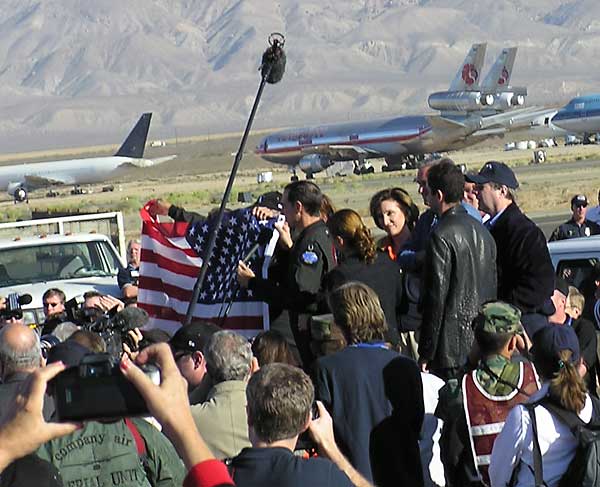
(50, 262)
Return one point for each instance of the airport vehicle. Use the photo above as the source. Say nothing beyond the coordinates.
(580, 116)
(19, 179)
(75, 254)
(405, 141)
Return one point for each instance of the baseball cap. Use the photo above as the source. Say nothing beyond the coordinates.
(498, 317)
(494, 172)
(271, 200)
(193, 337)
(552, 339)
(579, 200)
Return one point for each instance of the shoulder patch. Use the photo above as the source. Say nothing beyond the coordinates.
(309, 257)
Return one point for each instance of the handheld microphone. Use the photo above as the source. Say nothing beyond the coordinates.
(273, 59)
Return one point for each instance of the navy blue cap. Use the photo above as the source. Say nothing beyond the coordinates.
(494, 172)
(552, 339)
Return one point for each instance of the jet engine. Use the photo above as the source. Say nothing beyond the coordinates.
(312, 163)
(455, 101)
(17, 191)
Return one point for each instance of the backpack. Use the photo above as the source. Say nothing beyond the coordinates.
(584, 469)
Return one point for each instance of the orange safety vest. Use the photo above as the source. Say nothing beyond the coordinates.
(485, 413)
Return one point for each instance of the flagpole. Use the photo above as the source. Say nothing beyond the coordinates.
(272, 68)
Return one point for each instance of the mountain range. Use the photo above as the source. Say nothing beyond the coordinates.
(75, 72)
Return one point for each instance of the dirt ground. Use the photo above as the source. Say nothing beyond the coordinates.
(197, 178)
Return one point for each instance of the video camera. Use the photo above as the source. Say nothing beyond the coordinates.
(13, 309)
(97, 389)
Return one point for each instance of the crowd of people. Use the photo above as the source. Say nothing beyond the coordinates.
(445, 353)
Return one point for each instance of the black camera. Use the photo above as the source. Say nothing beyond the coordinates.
(13, 309)
(96, 389)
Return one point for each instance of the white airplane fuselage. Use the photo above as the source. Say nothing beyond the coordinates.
(72, 171)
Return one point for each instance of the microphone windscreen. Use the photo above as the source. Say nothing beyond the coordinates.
(25, 299)
(273, 63)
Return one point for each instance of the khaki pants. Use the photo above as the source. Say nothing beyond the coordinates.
(409, 344)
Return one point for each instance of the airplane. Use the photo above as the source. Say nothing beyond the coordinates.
(19, 179)
(404, 141)
(580, 116)
(493, 95)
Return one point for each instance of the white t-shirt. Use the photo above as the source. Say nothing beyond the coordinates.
(515, 442)
(429, 444)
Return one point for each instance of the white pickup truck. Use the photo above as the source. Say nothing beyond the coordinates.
(43, 254)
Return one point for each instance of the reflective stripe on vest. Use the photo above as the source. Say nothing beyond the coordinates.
(485, 413)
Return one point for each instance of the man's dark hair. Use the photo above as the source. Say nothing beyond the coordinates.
(53, 291)
(279, 402)
(92, 294)
(491, 343)
(447, 178)
(307, 193)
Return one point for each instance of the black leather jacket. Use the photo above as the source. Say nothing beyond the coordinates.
(459, 276)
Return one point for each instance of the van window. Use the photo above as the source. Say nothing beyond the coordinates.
(577, 272)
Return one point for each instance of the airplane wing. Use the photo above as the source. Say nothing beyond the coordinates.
(341, 151)
(150, 162)
(446, 123)
(513, 119)
(41, 182)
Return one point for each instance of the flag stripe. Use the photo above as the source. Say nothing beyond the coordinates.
(149, 256)
(236, 322)
(238, 308)
(179, 253)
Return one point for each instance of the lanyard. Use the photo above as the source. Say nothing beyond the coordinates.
(369, 345)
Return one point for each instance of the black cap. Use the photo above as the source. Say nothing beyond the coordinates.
(552, 339)
(579, 200)
(494, 172)
(193, 337)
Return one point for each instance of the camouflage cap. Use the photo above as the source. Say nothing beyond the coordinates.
(498, 317)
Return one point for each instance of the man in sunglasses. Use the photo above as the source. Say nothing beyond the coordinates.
(187, 345)
(578, 225)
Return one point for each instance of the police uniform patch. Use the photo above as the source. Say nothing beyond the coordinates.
(309, 257)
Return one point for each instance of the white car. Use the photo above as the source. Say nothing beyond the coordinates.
(73, 263)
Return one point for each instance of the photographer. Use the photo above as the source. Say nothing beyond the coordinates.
(10, 309)
(126, 452)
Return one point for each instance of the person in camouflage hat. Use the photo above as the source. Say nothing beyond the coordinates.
(475, 407)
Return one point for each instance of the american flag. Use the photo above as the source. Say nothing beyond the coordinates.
(170, 264)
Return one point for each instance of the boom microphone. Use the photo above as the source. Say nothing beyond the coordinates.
(273, 59)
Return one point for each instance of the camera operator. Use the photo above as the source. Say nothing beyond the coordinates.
(53, 301)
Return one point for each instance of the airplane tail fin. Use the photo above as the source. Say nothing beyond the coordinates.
(467, 77)
(499, 75)
(136, 140)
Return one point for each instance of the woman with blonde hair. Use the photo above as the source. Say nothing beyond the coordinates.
(557, 359)
(359, 260)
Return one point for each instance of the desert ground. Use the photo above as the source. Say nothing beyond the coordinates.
(197, 178)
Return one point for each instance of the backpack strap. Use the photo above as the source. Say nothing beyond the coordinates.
(538, 468)
(140, 444)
